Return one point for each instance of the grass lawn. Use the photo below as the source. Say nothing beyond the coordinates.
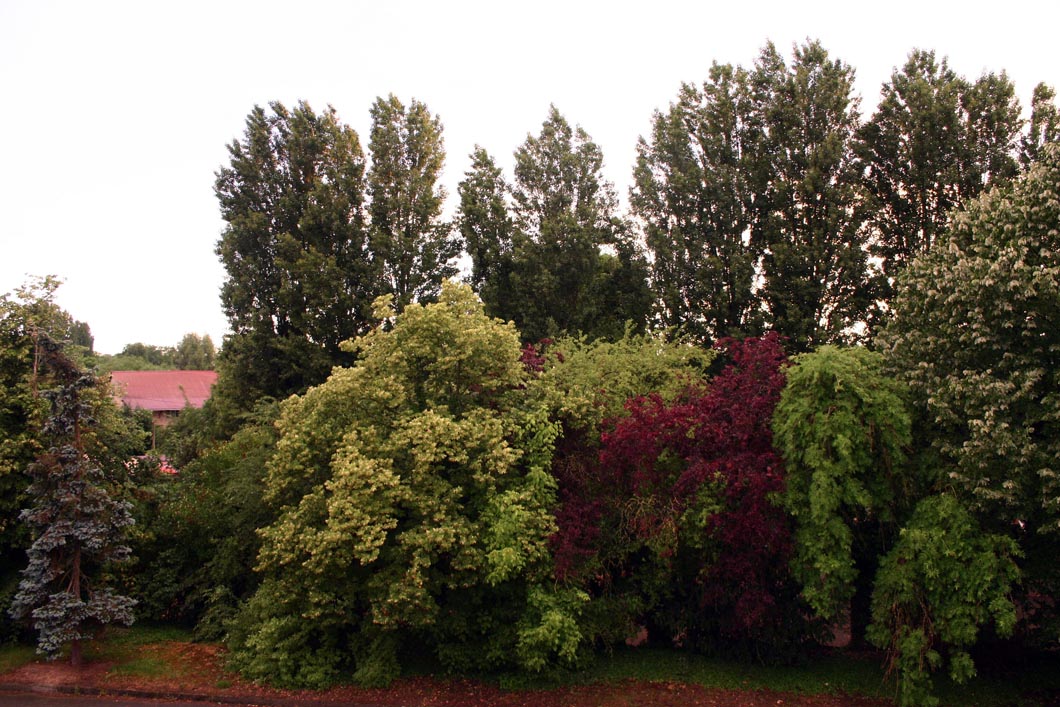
(148, 652)
(830, 672)
(13, 656)
(134, 651)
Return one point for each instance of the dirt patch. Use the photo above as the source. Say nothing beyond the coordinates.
(56, 675)
(201, 673)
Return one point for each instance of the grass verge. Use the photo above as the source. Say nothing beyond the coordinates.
(15, 656)
(138, 651)
(147, 651)
(1023, 684)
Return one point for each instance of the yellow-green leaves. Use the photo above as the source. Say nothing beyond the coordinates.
(414, 496)
(587, 383)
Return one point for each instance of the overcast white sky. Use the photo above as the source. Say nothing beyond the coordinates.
(114, 116)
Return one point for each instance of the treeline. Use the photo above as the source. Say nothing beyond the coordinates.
(194, 352)
(811, 378)
(762, 201)
(459, 495)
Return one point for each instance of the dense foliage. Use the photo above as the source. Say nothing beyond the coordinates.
(550, 252)
(601, 462)
(843, 428)
(818, 285)
(194, 352)
(944, 580)
(29, 319)
(413, 501)
(299, 277)
(694, 190)
(408, 241)
(679, 521)
(935, 140)
(196, 542)
(974, 337)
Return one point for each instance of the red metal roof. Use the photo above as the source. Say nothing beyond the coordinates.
(163, 390)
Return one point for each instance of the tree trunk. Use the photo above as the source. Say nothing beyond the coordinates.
(75, 589)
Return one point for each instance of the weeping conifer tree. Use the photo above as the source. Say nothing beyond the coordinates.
(78, 527)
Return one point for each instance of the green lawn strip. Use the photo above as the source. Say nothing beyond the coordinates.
(1026, 681)
(129, 650)
(147, 667)
(833, 672)
(14, 656)
(829, 673)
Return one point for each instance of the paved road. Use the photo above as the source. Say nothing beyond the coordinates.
(11, 699)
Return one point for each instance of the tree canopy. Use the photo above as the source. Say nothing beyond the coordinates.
(561, 261)
(77, 524)
(295, 249)
(934, 141)
(695, 185)
(409, 242)
(420, 512)
(609, 440)
(974, 336)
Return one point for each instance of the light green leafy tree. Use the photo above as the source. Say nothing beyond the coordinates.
(944, 580)
(842, 426)
(975, 334)
(414, 506)
(923, 576)
(194, 353)
(587, 383)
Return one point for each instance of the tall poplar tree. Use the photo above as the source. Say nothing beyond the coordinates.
(993, 124)
(299, 276)
(1044, 126)
(413, 248)
(573, 265)
(935, 140)
(694, 192)
(817, 285)
(488, 232)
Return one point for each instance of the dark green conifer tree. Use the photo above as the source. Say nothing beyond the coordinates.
(78, 526)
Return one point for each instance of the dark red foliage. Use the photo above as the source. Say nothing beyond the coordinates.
(534, 355)
(728, 572)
